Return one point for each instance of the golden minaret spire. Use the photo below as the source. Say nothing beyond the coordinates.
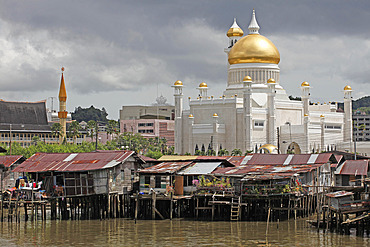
(62, 114)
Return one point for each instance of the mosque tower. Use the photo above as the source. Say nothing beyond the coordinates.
(253, 55)
(178, 116)
(62, 114)
(347, 133)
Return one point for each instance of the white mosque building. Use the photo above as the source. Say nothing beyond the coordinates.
(254, 112)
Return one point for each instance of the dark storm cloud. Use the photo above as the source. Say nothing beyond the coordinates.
(128, 46)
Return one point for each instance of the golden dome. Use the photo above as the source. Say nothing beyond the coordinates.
(178, 83)
(271, 80)
(191, 116)
(306, 115)
(215, 115)
(322, 116)
(305, 84)
(348, 87)
(235, 30)
(247, 78)
(203, 84)
(254, 48)
(269, 148)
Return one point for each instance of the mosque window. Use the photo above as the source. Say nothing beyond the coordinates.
(259, 123)
(333, 127)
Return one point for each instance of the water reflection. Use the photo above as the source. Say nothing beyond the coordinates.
(118, 232)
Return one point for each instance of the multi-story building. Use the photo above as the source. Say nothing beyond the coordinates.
(156, 120)
(361, 127)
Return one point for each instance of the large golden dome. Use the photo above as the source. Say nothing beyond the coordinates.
(254, 48)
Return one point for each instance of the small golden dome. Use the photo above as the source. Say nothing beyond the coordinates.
(269, 148)
(223, 96)
(203, 84)
(247, 78)
(178, 83)
(322, 116)
(347, 88)
(189, 97)
(305, 84)
(271, 80)
(254, 48)
(235, 30)
(306, 115)
(215, 115)
(236, 95)
(191, 116)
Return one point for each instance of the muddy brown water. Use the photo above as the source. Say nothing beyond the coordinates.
(122, 232)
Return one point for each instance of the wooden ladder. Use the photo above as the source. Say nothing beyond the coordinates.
(235, 209)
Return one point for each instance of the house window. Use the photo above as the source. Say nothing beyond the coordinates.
(149, 124)
(147, 181)
(122, 175)
(141, 124)
(158, 181)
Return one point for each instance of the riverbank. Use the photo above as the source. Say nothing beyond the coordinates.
(119, 232)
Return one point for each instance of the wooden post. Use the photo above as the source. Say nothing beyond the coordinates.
(171, 206)
(153, 204)
(268, 219)
(136, 205)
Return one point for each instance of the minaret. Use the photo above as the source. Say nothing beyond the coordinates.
(247, 81)
(305, 94)
(347, 133)
(178, 116)
(271, 137)
(191, 123)
(253, 26)
(62, 114)
(203, 89)
(322, 127)
(234, 34)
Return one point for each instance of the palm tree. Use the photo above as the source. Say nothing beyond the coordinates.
(112, 127)
(74, 130)
(56, 130)
(92, 129)
(236, 152)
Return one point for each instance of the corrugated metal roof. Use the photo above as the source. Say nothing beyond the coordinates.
(66, 162)
(201, 168)
(177, 157)
(354, 167)
(339, 194)
(9, 160)
(167, 167)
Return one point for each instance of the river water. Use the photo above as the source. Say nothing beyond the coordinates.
(122, 232)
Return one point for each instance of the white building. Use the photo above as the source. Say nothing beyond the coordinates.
(255, 110)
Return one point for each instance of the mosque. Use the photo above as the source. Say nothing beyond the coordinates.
(254, 112)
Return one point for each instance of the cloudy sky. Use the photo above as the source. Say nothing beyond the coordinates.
(127, 52)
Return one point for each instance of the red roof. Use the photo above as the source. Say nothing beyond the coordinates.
(167, 167)
(64, 162)
(9, 160)
(355, 167)
(146, 158)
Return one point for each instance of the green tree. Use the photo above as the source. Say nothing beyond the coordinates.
(74, 130)
(236, 152)
(56, 129)
(112, 127)
(92, 129)
(223, 152)
(91, 113)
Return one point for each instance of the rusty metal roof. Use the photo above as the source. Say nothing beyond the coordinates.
(167, 167)
(353, 167)
(9, 160)
(275, 166)
(67, 162)
(339, 194)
